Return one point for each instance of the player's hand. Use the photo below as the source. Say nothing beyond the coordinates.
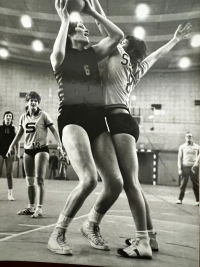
(180, 172)
(9, 153)
(88, 8)
(183, 32)
(194, 168)
(67, 160)
(61, 8)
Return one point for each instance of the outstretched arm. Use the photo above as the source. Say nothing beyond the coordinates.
(180, 34)
(59, 47)
(15, 141)
(114, 34)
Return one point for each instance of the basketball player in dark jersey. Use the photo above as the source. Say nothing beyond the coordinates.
(123, 70)
(34, 124)
(81, 120)
(7, 134)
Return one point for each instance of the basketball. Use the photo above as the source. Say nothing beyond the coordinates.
(75, 6)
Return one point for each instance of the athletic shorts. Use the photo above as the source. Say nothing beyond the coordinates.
(4, 150)
(90, 118)
(123, 123)
(33, 152)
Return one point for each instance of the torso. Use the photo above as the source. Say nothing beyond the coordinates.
(79, 80)
(35, 129)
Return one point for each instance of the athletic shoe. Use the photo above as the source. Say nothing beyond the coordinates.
(197, 203)
(26, 211)
(92, 232)
(37, 214)
(153, 242)
(140, 250)
(179, 201)
(11, 198)
(57, 243)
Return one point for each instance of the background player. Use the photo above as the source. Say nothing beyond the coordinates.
(34, 124)
(187, 159)
(7, 134)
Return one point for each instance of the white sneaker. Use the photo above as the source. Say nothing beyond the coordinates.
(197, 203)
(11, 198)
(37, 213)
(179, 201)
(153, 242)
(140, 250)
(92, 232)
(57, 243)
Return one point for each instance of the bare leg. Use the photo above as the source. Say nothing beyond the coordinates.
(29, 167)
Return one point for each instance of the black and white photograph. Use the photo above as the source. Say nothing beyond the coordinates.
(99, 133)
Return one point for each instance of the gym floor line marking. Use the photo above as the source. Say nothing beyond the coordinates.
(130, 217)
(34, 230)
(31, 225)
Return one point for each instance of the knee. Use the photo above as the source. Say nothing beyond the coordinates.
(115, 186)
(9, 175)
(30, 180)
(89, 184)
(132, 185)
(40, 181)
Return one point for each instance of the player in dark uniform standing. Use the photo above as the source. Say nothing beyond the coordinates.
(7, 134)
(81, 120)
(123, 70)
(34, 124)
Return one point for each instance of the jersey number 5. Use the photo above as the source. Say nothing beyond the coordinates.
(87, 70)
(30, 127)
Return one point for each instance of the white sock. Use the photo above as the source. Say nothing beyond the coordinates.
(142, 234)
(10, 191)
(31, 206)
(63, 221)
(94, 216)
(39, 207)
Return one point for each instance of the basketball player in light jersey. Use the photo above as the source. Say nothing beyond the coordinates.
(34, 124)
(124, 68)
(7, 134)
(81, 119)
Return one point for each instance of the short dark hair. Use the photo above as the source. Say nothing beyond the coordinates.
(8, 112)
(136, 49)
(33, 95)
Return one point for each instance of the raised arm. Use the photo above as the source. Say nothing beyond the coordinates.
(98, 8)
(15, 141)
(180, 34)
(115, 35)
(59, 47)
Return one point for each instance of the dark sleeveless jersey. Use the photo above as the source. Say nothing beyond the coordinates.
(7, 134)
(79, 80)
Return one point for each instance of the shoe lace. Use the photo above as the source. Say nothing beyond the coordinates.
(96, 235)
(61, 239)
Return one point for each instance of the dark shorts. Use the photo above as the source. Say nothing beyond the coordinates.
(4, 150)
(90, 118)
(33, 152)
(123, 123)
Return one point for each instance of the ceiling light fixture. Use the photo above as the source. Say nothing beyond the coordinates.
(139, 32)
(195, 41)
(4, 53)
(184, 62)
(142, 11)
(38, 45)
(26, 21)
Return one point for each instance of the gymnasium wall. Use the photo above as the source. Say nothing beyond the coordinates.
(175, 91)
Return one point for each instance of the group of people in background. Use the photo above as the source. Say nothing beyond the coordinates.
(84, 134)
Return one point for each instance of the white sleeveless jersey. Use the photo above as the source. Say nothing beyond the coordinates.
(35, 129)
(119, 79)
